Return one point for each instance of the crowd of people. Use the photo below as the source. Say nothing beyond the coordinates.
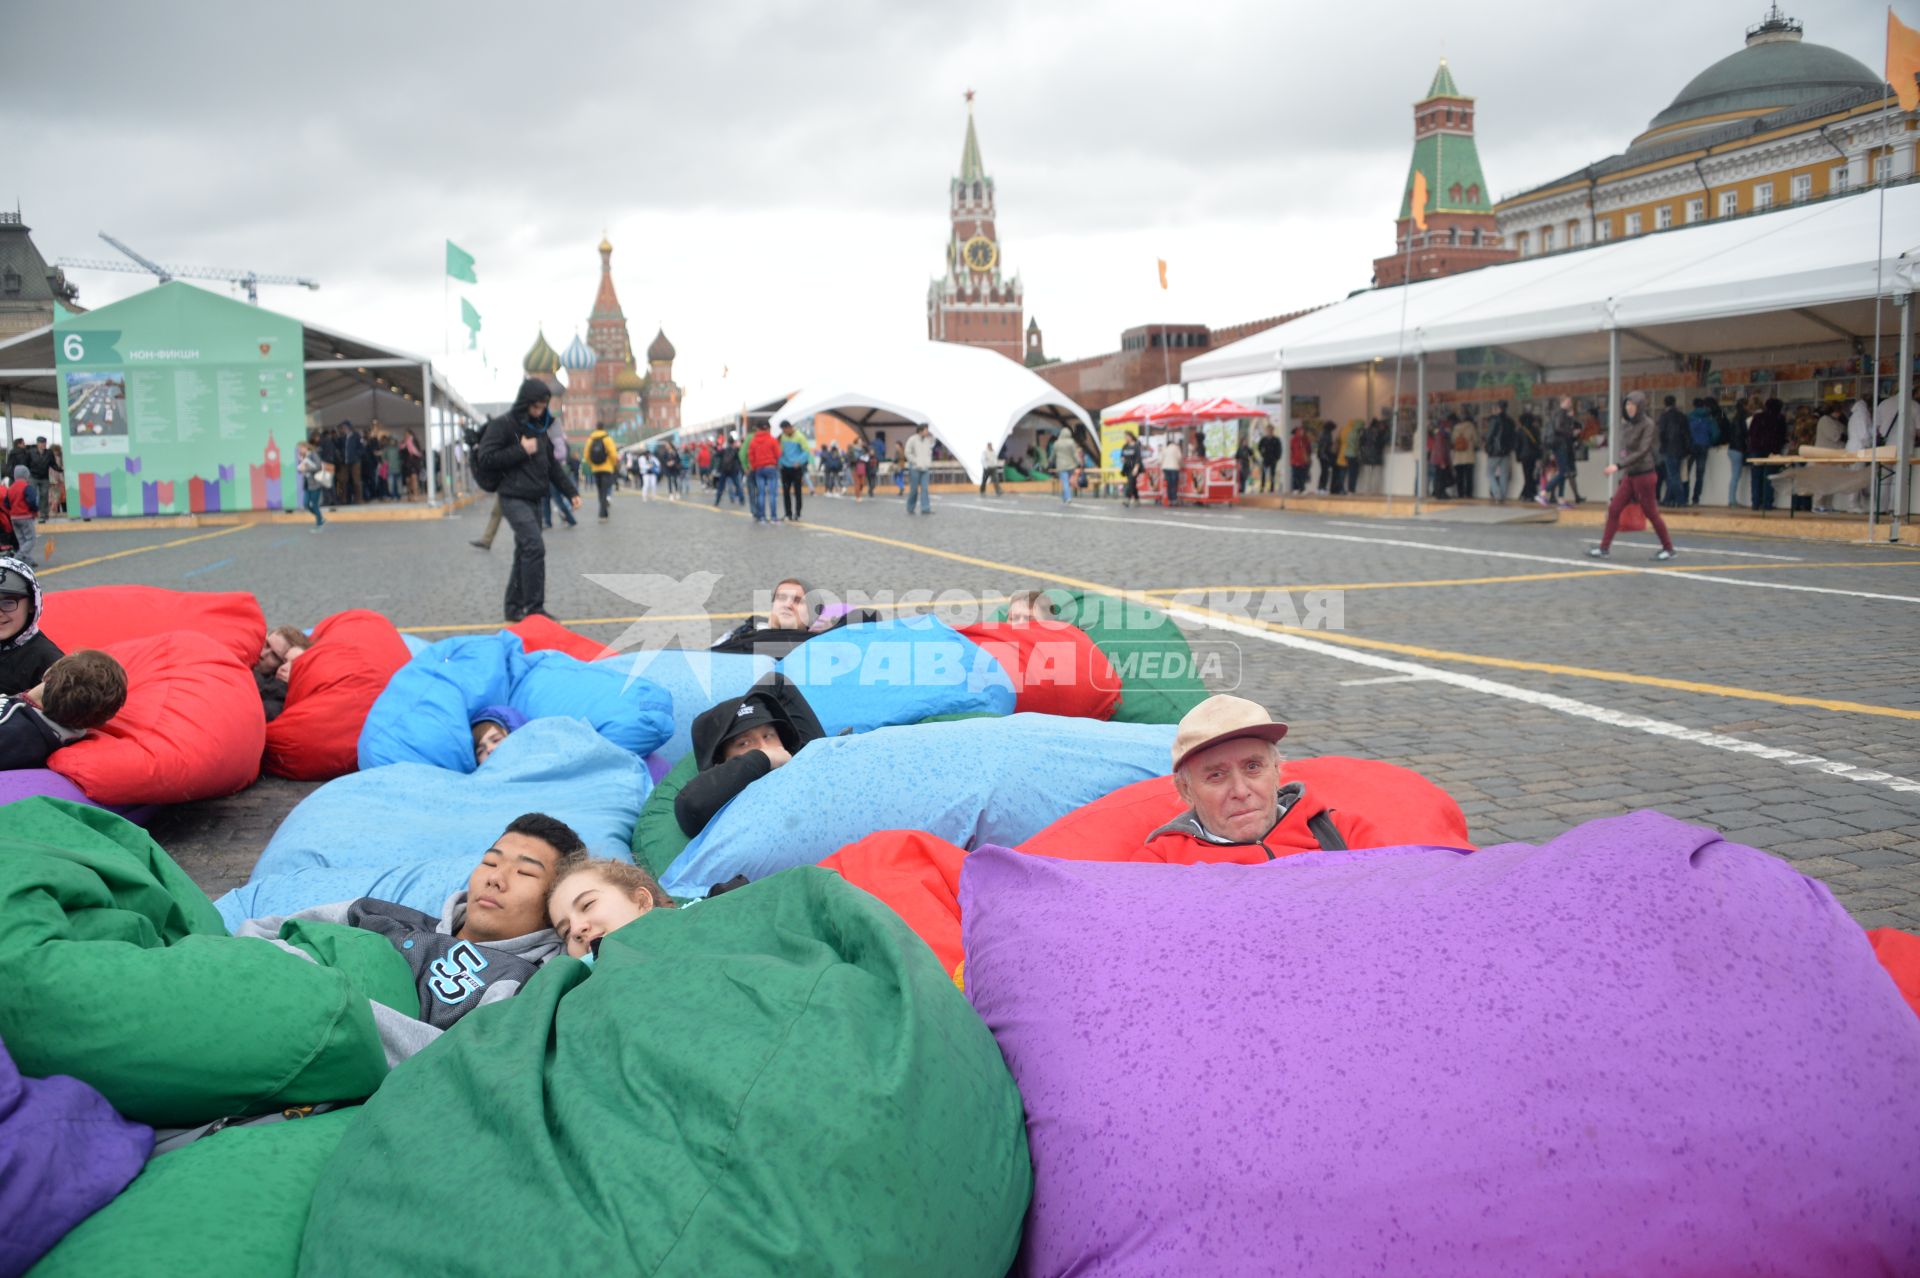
(33, 488)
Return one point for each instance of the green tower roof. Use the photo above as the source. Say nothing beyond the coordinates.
(1448, 159)
(971, 168)
(1443, 85)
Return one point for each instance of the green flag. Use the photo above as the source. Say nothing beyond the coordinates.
(471, 318)
(460, 263)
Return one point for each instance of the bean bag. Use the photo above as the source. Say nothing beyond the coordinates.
(1899, 954)
(902, 670)
(1374, 805)
(415, 644)
(99, 616)
(915, 875)
(119, 973)
(1056, 669)
(544, 634)
(778, 1081)
(425, 714)
(64, 1154)
(192, 727)
(1634, 1049)
(693, 681)
(332, 686)
(25, 783)
(657, 836)
(411, 833)
(230, 1205)
(1160, 675)
(971, 782)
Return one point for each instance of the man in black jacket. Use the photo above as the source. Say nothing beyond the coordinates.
(1498, 444)
(741, 740)
(1269, 459)
(1676, 441)
(1527, 450)
(515, 455)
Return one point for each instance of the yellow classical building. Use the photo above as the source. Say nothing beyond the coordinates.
(1778, 122)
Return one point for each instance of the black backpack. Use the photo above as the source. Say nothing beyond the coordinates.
(597, 451)
(485, 480)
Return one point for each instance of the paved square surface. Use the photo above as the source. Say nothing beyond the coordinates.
(1768, 688)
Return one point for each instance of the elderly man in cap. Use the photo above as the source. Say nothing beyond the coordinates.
(1226, 768)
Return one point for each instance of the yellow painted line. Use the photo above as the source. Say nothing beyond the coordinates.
(1404, 649)
(138, 550)
(1530, 576)
(651, 618)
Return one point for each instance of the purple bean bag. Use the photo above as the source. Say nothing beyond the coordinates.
(64, 1154)
(26, 783)
(1635, 1049)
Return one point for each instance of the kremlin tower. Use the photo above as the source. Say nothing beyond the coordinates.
(971, 303)
(1461, 232)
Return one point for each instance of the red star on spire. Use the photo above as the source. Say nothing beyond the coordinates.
(969, 97)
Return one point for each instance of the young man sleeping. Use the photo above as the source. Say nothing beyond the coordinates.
(489, 939)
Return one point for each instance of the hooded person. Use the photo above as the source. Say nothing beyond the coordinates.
(515, 456)
(741, 740)
(490, 727)
(20, 501)
(25, 653)
(1639, 470)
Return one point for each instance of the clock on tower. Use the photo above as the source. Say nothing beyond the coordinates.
(981, 253)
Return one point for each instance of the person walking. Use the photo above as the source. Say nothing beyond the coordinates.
(602, 458)
(1269, 459)
(1131, 464)
(918, 455)
(726, 472)
(1172, 458)
(515, 454)
(1639, 486)
(1561, 435)
(1066, 462)
(21, 502)
(990, 470)
(309, 468)
(1766, 436)
(1498, 446)
(40, 470)
(795, 456)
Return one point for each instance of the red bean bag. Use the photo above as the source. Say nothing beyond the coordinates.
(192, 728)
(329, 691)
(1375, 805)
(918, 876)
(1899, 953)
(1055, 668)
(538, 634)
(99, 616)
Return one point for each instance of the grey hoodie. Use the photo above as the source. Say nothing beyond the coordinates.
(1639, 438)
(449, 982)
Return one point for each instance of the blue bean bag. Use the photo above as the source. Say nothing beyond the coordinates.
(415, 644)
(902, 670)
(425, 715)
(411, 833)
(693, 681)
(970, 782)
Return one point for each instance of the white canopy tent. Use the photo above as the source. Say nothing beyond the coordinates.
(1801, 275)
(971, 397)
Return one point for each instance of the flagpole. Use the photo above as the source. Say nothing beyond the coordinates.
(1399, 357)
(1885, 160)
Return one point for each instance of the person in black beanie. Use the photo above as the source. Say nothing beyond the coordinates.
(515, 455)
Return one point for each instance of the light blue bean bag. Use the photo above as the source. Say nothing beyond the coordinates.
(411, 833)
(425, 715)
(693, 681)
(897, 671)
(970, 782)
(415, 644)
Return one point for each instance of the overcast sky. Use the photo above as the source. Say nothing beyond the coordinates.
(773, 175)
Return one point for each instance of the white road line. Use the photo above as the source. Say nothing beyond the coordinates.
(1556, 560)
(1560, 704)
(1367, 683)
(1346, 523)
(1702, 550)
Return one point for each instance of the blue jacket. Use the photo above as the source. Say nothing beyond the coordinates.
(793, 450)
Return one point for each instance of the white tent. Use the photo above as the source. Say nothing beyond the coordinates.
(970, 396)
(1804, 273)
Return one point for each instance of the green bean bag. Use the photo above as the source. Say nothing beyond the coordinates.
(778, 1080)
(657, 836)
(117, 970)
(1159, 681)
(230, 1205)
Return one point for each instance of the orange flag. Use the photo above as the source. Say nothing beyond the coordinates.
(1419, 202)
(1903, 61)
(1163, 271)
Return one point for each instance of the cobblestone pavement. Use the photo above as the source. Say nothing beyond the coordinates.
(1768, 688)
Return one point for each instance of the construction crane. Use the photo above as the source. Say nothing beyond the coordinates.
(249, 280)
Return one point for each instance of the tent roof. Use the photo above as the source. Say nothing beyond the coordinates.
(341, 370)
(1802, 274)
(972, 397)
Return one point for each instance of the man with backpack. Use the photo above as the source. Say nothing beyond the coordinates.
(1499, 445)
(1705, 431)
(602, 457)
(515, 460)
(20, 502)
